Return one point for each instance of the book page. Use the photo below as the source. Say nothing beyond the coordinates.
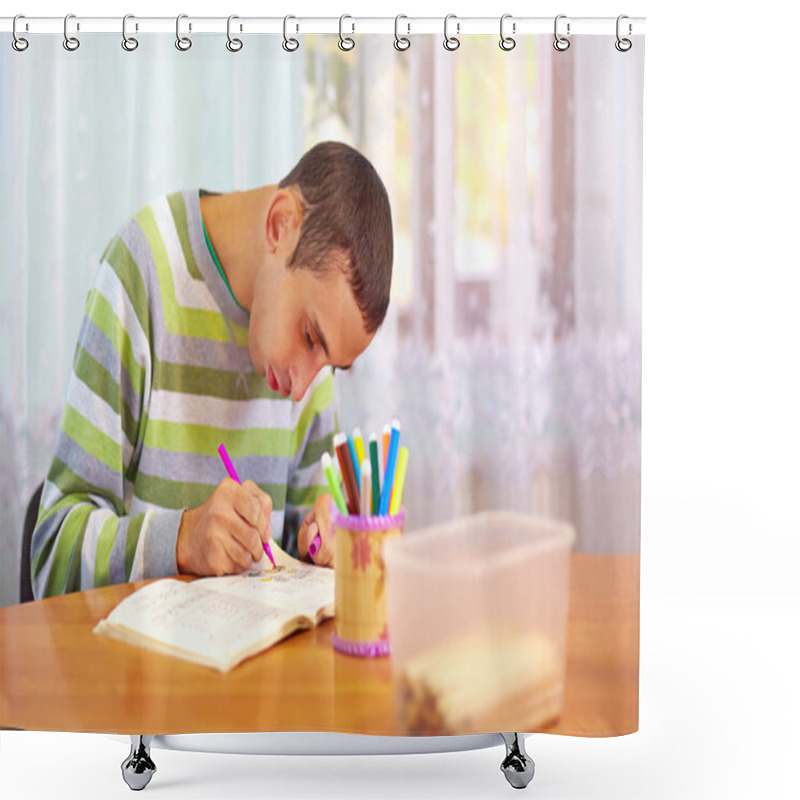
(304, 589)
(190, 618)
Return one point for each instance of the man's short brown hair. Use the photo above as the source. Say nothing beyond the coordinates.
(346, 211)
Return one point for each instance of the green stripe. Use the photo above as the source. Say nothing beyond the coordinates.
(122, 262)
(314, 450)
(304, 496)
(91, 439)
(170, 494)
(184, 437)
(101, 313)
(319, 400)
(197, 323)
(73, 580)
(132, 539)
(209, 382)
(71, 531)
(102, 559)
(103, 384)
(177, 206)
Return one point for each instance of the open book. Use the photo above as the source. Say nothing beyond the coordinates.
(219, 622)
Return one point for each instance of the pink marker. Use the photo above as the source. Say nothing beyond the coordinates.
(226, 460)
(313, 548)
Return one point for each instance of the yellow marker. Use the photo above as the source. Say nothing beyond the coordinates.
(400, 479)
(359, 443)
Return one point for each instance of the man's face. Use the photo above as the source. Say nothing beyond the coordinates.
(299, 322)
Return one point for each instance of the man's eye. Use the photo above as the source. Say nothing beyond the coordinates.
(309, 340)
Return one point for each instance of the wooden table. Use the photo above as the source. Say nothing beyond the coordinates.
(56, 675)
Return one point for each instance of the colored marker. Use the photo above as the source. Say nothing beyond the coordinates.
(366, 488)
(333, 482)
(359, 443)
(399, 482)
(348, 473)
(387, 432)
(391, 464)
(376, 475)
(351, 446)
(226, 460)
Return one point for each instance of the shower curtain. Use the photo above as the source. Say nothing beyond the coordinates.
(511, 348)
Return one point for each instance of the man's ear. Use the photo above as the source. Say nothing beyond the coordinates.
(284, 216)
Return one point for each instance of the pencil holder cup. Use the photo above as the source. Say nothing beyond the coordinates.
(360, 627)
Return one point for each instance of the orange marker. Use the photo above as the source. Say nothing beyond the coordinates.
(387, 432)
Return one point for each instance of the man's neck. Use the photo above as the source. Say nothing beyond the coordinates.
(235, 223)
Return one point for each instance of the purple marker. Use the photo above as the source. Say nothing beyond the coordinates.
(313, 548)
(226, 460)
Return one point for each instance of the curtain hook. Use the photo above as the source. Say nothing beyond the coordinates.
(183, 43)
(128, 42)
(234, 45)
(18, 42)
(401, 42)
(623, 45)
(345, 42)
(451, 42)
(560, 43)
(71, 43)
(506, 42)
(289, 45)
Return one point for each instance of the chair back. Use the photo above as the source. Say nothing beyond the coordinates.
(25, 583)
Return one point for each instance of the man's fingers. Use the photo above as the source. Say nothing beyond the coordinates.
(239, 555)
(248, 537)
(247, 505)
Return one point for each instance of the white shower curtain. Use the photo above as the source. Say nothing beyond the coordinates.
(512, 347)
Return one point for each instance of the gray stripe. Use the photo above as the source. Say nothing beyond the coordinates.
(116, 563)
(161, 541)
(210, 469)
(86, 466)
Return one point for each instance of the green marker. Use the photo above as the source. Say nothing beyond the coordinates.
(376, 478)
(333, 483)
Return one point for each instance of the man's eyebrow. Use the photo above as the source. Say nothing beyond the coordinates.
(323, 341)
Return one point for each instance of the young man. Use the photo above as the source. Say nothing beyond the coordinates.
(214, 319)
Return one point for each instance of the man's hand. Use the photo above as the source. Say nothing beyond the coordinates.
(317, 521)
(225, 535)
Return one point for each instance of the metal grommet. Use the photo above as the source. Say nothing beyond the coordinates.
(623, 45)
(561, 43)
(234, 45)
(18, 42)
(506, 42)
(451, 42)
(71, 43)
(183, 43)
(401, 42)
(128, 42)
(289, 45)
(345, 42)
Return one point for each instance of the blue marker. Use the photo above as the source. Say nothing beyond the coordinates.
(391, 464)
(351, 445)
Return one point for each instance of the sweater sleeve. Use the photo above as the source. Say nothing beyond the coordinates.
(84, 537)
(314, 429)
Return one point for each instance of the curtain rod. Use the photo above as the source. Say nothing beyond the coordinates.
(407, 26)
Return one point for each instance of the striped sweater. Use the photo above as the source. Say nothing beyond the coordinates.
(162, 375)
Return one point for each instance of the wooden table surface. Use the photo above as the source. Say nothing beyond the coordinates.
(56, 675)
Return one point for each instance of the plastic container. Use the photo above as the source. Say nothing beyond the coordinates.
(477, 612)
